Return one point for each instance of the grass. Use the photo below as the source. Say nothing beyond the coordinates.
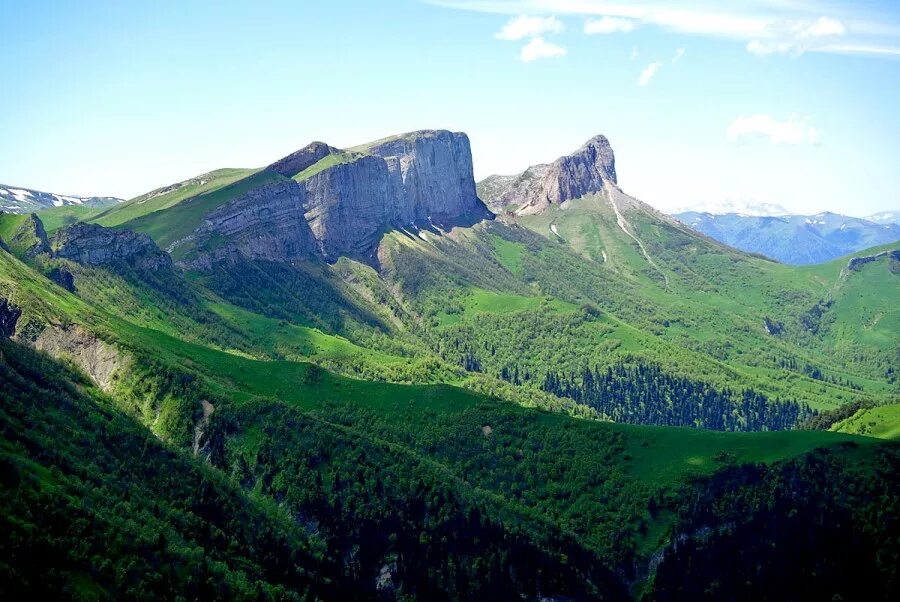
(148, 203)
(477, 301)
(325, 162)
(9, 223)
(170, 225)
(882, 422)
(55, 218)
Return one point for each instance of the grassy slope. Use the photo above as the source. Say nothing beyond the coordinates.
(9, 223)
(881, 421)
(325, 162)
(154, 201)
(55, 218)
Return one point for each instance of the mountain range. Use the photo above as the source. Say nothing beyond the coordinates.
(796, 239)
(357, 374)
(25, 200)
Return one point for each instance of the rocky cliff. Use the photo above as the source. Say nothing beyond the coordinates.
(29, 239)
(431, 177)
(588, 170)
(267, 222)
(349, 205)
(90, 244)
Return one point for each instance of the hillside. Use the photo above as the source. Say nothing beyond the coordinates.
(794, 239)
(399, 395)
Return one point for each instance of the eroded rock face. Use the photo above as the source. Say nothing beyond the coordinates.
(264, 223)
(305, 157)
(9, 317)
(431, 177)
(99, 359)
(30, 238)
(588, 170)
(90, 244)
(349, 205)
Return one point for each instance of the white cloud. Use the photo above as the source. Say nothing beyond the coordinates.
(648, 73)
(608, 25)
(634, 53)
(794, 130)
(524, 26)
(797, 37)
(770, 27)
(538, 48)
(678, 54)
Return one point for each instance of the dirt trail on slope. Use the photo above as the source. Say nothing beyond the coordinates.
(624, 225)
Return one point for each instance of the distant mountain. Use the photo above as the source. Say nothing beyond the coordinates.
(26, 200)
(794, 239)
(885, 217)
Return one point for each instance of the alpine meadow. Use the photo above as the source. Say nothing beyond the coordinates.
(380, 371)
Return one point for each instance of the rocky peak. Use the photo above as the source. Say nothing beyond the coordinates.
(590, 169)
(307, 156)
(91, 244)
(29, 239)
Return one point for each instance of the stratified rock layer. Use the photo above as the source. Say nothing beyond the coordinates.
(90, 244)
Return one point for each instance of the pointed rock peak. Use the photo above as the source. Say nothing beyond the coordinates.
(302, 159)
(588, 170)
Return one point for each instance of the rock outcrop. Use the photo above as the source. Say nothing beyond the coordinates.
(590, 169)
(349, 205)
(431, 177)
(9, 317)
(856, 263)
(30, 238)
(267, 222)
(306, 157)
(90, 244)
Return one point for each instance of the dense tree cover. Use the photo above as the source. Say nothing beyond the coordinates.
(823, 421)
(644, 394)
(396, 522)
(819, 527)
(93, 506)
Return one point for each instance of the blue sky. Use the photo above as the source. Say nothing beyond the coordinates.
(710, 104)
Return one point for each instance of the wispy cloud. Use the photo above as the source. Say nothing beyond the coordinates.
(525, 26)
(605, 25)
(765, 28)
(678, 54)
(538, 48)
(648, 73)
(794, 130)
(798, 37)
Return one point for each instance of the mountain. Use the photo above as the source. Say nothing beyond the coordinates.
(341, 376)
(885, 217)
(794, 239)
(573, 176)
(25, 200)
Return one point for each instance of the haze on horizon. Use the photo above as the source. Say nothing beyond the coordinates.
(758, 103)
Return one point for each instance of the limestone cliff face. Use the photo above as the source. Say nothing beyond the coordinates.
(349, 206)
(91, 244)
(588, 170)
(267, 222)
(331, 203)
(431, 176)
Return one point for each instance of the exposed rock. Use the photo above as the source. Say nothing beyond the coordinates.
(98, 359)
(201, 425)
(263, 223)
(305, 157)
(349, 205)
(590, 169)
(9, 316)
(91, 244)
(431, 177)
(856, 263)
(63, 277)
(30, 238)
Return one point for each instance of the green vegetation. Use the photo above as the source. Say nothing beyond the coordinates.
(880, 421)
(329, 160)
(164, 198)
(57, 217)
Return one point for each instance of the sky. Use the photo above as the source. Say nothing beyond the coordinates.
(789, 105)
